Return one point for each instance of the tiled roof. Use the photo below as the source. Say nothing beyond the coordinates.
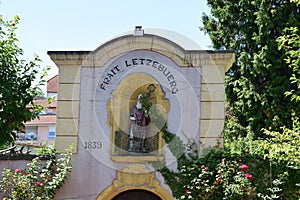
(52, 85)
(45, 118)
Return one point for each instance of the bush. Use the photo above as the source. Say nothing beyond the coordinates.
(221, 173)
(227, 181)
(40, 180)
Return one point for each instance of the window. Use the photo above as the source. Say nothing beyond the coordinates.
(51, 133)
(31, 133)
(50, 112)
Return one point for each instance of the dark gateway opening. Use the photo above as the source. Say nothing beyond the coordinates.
(136, 195)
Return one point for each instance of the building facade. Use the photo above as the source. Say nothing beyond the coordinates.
(41, 131)
(114, 101)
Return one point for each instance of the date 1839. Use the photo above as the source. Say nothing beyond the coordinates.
(92, 145)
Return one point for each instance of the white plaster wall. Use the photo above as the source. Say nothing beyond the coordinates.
(94, 167)
(88, 178)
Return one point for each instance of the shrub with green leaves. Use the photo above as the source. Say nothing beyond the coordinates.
(227, 181)
(17, 83)
(40, 180)
(220, 174)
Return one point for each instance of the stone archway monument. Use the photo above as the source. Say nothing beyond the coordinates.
(114, 101)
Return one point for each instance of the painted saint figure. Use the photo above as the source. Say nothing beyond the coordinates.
(139, 120)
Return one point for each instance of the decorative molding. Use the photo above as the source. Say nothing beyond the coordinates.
(135, 176)
(141, 158)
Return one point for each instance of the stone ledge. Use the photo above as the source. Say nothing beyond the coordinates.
(137, 158)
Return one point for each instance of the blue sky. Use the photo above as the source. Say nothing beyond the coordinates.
(84, 25)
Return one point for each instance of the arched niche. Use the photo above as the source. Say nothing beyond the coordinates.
(123, 99)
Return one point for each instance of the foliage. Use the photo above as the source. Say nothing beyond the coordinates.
(4, 145)
(40, 180)
(290, 42)
(262, 126)
(217, 176)
(146, 104)
(144, 98)
(296, 1)
(226, 182)
(258, 80)
(16, 83)
(279, 152)
(210, 177)
(220, 174)
(283, 146)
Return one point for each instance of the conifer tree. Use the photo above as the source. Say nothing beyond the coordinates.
(257, 82)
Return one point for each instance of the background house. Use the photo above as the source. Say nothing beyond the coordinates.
(52, 87)
(41, 131)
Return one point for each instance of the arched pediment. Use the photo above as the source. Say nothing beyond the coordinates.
(184, 52)
(149, 42)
